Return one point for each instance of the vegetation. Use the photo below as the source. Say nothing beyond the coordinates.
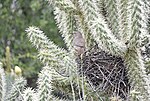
(116, 56)
(15, 17)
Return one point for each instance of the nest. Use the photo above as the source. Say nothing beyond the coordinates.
(105, 72)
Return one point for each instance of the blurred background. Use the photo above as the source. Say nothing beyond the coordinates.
(15, 49)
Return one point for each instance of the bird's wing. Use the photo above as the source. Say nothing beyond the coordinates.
(79, 42)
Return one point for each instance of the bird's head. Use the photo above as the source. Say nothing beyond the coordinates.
(77, 34)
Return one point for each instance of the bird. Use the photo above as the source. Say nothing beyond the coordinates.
(78, 43)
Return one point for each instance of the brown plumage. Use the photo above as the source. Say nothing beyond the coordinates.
(78, 43)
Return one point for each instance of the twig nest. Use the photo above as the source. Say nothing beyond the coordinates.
(105, 72)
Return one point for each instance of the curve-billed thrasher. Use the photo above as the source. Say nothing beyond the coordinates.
(78, 43)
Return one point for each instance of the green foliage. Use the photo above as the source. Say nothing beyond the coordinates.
(17, 15)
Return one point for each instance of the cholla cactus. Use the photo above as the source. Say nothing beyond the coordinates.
(16, 91)
(2, 83)
(44, 85)
(118, 27)
(29, 95)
